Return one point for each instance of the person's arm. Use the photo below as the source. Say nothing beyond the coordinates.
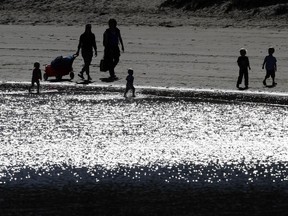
(79, 46)
(40, 75)
(264, 63)
(94, 45)
(275, 65)
(105, 39)
(121, 41)
(248, 63)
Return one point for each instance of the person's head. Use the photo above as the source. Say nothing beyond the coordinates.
(112, 23)
(88, 28)
(37, 65)
(243, 52)
(130, 71)
(271, 50)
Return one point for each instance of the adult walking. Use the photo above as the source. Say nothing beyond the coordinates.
(87, 43)
(111, 39)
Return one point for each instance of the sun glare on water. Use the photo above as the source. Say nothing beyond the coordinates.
(81, 138)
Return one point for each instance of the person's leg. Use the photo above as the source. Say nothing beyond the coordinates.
(246, 77)
(87, 57)
(115, 60)
(266, 77)
(240, 77)
(84, 67)
(133, 91)
(32, 85)
(112, 66)
(87, 61)
(108, 58)
(38, 86)
(111, 71)
(126, 91)
(82, 70)
(273, 78)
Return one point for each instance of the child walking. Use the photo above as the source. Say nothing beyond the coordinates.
(129, 85)
(244, 65)
(36, 76)
(270, 64)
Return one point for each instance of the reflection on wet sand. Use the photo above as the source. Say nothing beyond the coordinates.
(85, 141)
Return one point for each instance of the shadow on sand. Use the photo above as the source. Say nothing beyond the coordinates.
(270, 86)
(84, 82)
(108, 79)
(59, 80)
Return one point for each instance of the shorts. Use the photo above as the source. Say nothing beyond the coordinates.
(270, 73)
(130, 86)
(87, 56)
(33, 81)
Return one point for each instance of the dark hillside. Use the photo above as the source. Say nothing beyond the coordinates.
(271, 7)
(75, 12)
(145, 12)
(239, 4)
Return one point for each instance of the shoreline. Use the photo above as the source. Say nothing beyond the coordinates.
(194, 94)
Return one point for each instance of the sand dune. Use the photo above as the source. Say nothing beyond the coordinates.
(137, 12)
(77, 11)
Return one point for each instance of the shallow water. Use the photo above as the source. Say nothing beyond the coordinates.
(59, 139)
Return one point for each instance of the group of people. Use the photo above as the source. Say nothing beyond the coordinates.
(111, 40)
(270, 64)
(87, 44)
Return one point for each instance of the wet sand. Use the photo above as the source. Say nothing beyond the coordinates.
(166, 152)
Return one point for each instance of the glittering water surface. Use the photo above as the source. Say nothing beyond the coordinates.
(102, 137)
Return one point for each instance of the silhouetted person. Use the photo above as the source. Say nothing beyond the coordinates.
(244, 65)
(130, 81)
(111, 39)
(87, 43)
(36, 76)
(270, 64)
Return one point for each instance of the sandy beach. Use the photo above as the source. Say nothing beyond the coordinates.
(183, 57)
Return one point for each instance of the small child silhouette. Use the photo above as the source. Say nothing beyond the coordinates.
(36, 76)
(270, 64)
(129, 85)
(244, 65)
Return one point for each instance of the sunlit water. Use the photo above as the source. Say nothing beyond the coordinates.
(59, 139)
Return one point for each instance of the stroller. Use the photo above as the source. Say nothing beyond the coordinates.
(60, 67)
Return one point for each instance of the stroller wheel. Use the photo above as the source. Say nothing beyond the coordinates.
(45, 76)
(71, 75)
